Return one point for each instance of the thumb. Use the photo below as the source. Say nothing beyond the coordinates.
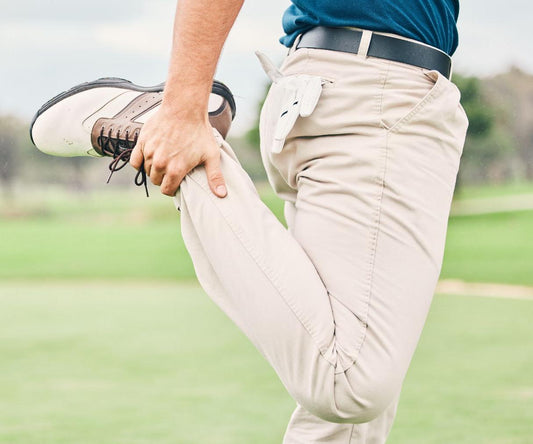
(214, 175)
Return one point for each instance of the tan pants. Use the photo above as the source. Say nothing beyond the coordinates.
(365, 152)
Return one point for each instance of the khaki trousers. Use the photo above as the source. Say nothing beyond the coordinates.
(365, 152)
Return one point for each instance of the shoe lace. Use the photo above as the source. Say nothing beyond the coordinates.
(120, 150)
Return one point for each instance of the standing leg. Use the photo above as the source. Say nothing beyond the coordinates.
(305, 428)
(396, 187)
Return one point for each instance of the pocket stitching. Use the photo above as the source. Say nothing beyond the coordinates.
(428, 98)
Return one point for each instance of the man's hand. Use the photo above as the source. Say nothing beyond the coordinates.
(171, 147)
(179, 137)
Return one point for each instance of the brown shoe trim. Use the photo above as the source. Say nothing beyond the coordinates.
(122, 125)
(221, 119)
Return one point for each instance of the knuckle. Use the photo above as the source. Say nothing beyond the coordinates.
(177, 169)
(156, 180)
(174, 175)
(144, 148)
(141, 142)
(215, 176)
(147, 154)
(159, 163)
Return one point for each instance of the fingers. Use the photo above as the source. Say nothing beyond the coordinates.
(214, 175)
(136, 158)
(170, 178)
(167, 167)
(171, 182)
(157, 169)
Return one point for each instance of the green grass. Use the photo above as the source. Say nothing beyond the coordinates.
(470, 380)
(490, 248)
(124, 236)
(147, 362)
(496, 190)
(117, 363)
(103, 343)
(107, 235)
(102, 236)
(52, 248)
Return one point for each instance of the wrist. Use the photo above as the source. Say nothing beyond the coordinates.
(183, 109)
(185, 101)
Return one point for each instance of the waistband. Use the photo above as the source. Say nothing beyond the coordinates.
(377, 45)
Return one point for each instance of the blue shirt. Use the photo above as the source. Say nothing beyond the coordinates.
(433, 22)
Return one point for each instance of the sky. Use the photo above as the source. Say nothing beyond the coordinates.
(48, 46)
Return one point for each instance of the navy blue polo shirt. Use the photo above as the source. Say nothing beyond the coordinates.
(433, 22)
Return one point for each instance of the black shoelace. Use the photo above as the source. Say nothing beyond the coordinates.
(120, 150)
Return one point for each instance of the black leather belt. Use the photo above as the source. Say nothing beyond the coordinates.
(381, 46)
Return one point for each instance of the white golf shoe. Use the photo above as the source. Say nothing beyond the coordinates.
(104, 118)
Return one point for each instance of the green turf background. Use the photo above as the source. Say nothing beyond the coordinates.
(105, 337)
(125, 236)
(118, 363)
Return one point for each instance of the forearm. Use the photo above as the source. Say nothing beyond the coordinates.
(200, 30)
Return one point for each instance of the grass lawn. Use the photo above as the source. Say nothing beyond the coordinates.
(490, 248)
(496, 190)
(103, 342)
(117, 363)
(121, 236)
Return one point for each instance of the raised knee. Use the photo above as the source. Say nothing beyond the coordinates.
(352, 399)
(353, 410)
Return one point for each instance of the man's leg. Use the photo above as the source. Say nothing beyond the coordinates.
(338, 176)
(305, 428)
(338, 306)
(262, 279)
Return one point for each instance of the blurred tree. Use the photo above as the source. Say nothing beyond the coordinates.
(21, 162)
(10, 129)
(487, 150)
(513, 93)
(480, 116)
(252, 135)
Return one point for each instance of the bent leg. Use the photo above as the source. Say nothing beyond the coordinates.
(259, 275)
(305, 428)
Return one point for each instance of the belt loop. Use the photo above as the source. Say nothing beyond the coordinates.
(294, 46)
(451, 70)
(366, 37)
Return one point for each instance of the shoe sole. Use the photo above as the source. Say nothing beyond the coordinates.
(218, 88)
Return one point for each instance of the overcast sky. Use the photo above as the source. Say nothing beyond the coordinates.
(47, 46)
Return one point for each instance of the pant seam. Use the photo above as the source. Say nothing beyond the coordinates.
(373, 251)
(351, 434)
(265, 270)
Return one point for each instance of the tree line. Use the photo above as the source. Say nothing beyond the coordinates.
(498, 149)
